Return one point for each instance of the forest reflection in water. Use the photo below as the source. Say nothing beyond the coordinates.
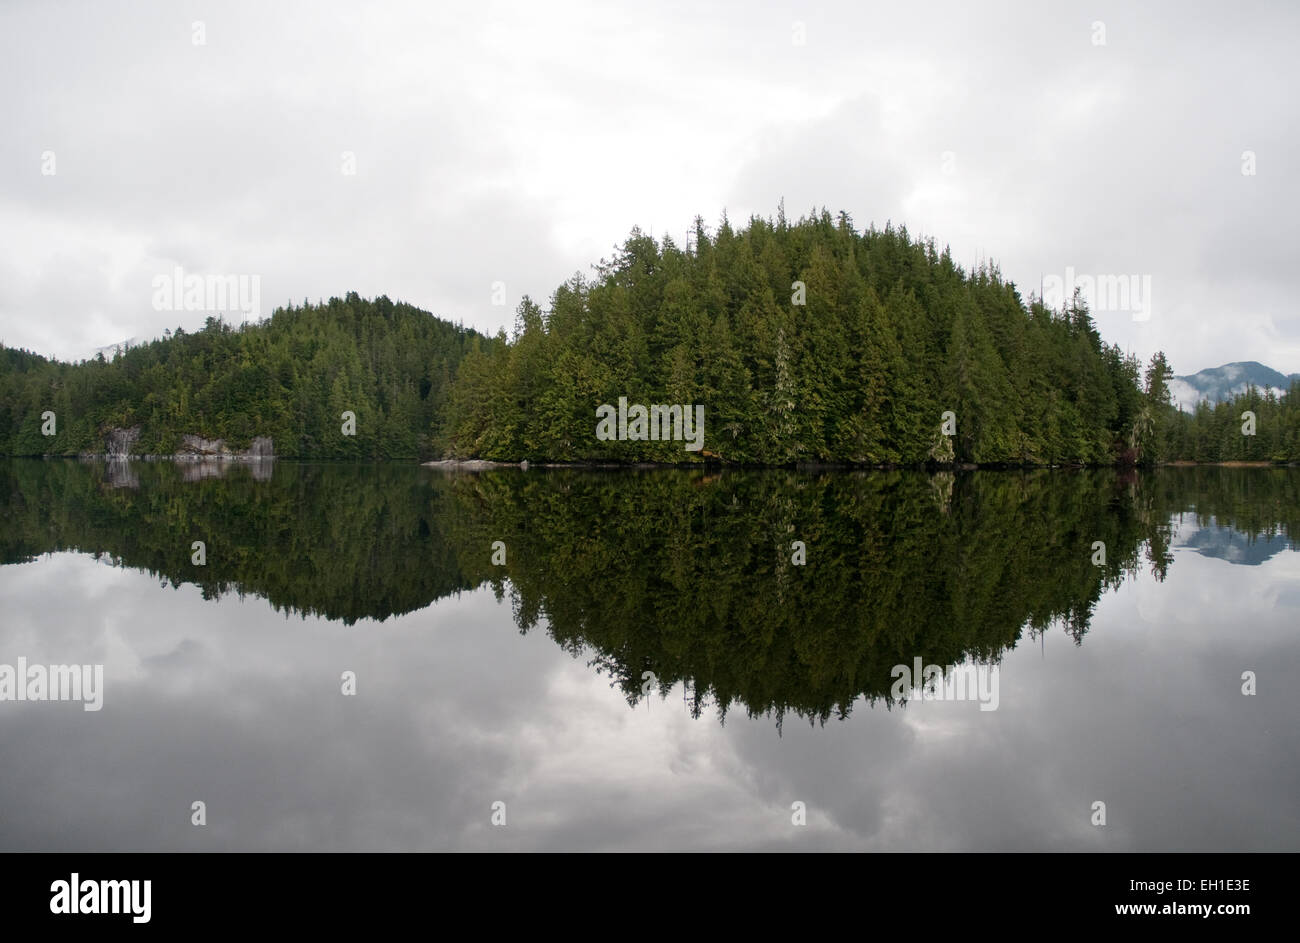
(776, 591)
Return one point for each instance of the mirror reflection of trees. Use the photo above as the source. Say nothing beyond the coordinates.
(686, 574)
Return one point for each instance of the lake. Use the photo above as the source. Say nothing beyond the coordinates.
(391, 657)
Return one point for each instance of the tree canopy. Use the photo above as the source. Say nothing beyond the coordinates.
(289, 378)
(804, 342)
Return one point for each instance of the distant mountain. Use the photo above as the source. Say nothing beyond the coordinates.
(1219, 383)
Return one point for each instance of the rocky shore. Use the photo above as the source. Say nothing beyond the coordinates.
(118, 444)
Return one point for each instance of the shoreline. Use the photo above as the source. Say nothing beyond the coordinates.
(482, 464)
(176, 457)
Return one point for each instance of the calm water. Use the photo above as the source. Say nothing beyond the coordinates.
(526, 683)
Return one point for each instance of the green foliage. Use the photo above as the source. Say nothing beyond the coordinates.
(1219, 433)
(290, 378)
(890, 334)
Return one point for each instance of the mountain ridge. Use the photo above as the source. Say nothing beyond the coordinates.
(1217, 384)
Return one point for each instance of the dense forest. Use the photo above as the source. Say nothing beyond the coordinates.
(688, 573)
(808, 342)
(1219, 433)
(805, 341)
(290, 378)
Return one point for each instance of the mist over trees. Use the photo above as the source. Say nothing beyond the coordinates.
(1216, 433)
(806, 341)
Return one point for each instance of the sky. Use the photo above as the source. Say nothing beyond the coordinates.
(457, 158)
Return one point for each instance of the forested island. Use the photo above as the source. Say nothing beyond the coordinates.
(805, 342)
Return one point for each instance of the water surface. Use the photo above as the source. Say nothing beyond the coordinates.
(769, 682)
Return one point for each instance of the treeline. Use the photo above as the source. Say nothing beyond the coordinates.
(803, 342)
(1250, 427)
(808, 341)
(291, 378)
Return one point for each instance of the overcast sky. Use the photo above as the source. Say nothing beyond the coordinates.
(520, 142)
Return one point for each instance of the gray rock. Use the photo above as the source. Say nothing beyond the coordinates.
(195, 447)
(261, 447)
(118, 442)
